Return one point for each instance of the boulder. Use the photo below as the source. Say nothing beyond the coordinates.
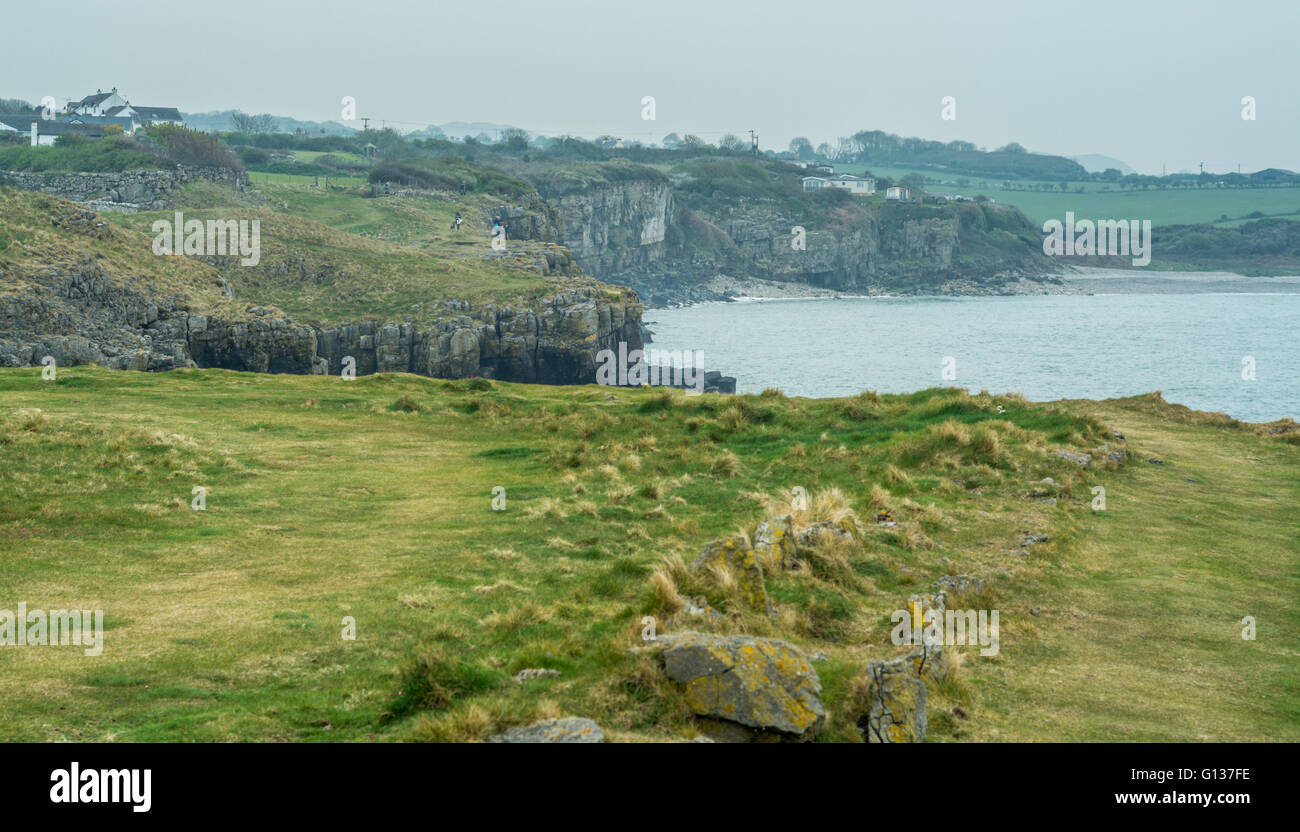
(897, 703)
(811, 537)
(758, 682)
(568, 729)
(774, 540)
(737, 557)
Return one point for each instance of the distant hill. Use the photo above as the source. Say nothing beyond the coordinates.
(1096, 163)
(220, 120)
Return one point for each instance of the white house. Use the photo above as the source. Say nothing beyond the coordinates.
(95, 105)
(857, 185)
(144, 116)
(113, 105)
(897, 193)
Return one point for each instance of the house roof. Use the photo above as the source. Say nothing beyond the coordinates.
(23, 123)
(157, 113)
(93, 100)
(124, 122)
(117, 111)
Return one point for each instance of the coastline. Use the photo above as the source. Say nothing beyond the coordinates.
(1072, 280)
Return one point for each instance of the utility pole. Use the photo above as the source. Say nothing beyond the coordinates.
(1202, 168)
(365, 123)
(753, 142)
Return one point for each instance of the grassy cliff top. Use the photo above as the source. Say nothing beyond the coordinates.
(39, 232)
(372, 499)
(326, 256)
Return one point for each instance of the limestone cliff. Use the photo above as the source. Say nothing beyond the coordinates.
(666, 238)
(92, 293)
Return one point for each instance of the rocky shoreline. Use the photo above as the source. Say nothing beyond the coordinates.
(725, 289)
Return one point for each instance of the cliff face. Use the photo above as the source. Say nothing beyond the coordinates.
(643, 235)
(617, 227)
(80, 312)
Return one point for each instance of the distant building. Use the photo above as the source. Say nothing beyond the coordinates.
(822, 167)
(113, 105)
(858, 185)
(149, 115)
(897, 193)
(95, 105)
(43, 132)
(127, 123)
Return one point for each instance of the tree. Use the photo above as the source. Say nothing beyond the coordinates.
(801, 148)
(692, 142)
(1014, 147)
(17, 105)
(729, 142)
(515, 139)
(915, 184)
(672, 141)
(244, 123)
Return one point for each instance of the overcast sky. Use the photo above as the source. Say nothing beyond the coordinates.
(1150, 82)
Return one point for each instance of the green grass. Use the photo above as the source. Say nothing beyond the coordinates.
(1174, 206)
(372, 499)
(340, 255)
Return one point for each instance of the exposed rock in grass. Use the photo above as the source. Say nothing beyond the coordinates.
(959, 583)
(736, 556)
(568, 729)
(897, 709)
(534, 673)
(774, 541)
(758, 682)
(811, 536)
(1077, 458)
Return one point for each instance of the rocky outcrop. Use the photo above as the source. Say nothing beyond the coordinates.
(896, 712)
(761, 683)
(568, 729)
(82, 314)
(134, 189)
(667, 244)
(774, 541)
(618, 227)
(736, 557)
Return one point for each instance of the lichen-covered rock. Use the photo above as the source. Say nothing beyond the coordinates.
(897, 703)
(811, 537)
(758, 682)
(927, 657)
(736, 556)
(774, 540)
(568, 729)
(959, 583)
(1073, 456)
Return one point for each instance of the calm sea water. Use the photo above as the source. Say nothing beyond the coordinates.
(1190, 346)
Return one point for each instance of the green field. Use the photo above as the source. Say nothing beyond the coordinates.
(372, 499)
(1173, 206)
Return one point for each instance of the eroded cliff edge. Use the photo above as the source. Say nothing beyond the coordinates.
(83, 291)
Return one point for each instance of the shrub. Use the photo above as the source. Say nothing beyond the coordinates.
(181, 145)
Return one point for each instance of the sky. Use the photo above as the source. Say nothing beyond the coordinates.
(1157, 84)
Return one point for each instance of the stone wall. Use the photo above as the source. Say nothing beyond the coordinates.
(136, 189)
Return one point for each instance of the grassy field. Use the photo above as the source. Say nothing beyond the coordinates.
(1101, 200)
(341, 255)
(372, 499)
